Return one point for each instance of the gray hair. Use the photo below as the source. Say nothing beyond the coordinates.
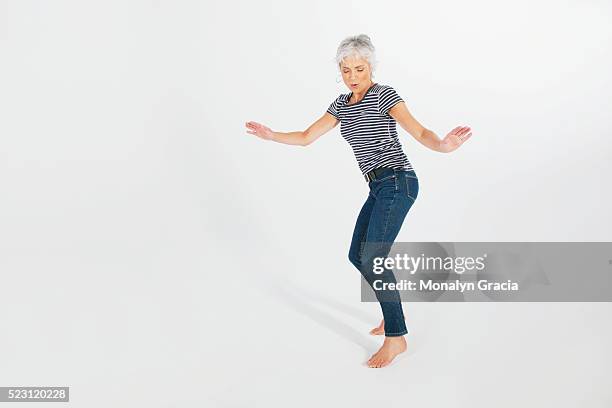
(357, 45)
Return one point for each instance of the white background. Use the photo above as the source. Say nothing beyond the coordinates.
(154, 253)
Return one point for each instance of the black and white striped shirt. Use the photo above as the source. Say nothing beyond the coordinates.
(370, 130)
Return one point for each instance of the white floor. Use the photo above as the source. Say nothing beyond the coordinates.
(166, 330)
(153, 254)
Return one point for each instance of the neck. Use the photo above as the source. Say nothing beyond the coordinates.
(359, 95)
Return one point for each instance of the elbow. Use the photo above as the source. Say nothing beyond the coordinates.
(306, 140)
(421, 135)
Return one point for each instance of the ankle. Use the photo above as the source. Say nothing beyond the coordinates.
(395, 338)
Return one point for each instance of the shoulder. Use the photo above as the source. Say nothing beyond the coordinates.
(340, 100)
(387, 98)
(387, 94)
(383, 89)
(343, 98)
(336, 106)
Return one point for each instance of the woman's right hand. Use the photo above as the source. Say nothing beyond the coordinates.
(259, 130)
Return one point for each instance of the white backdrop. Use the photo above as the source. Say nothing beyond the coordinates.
(153, 252)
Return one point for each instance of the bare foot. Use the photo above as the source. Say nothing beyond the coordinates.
(377, 331)
(390, 348)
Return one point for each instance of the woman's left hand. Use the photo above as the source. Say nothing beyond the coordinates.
(455, 138)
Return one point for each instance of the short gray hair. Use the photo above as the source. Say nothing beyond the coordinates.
(357, 45)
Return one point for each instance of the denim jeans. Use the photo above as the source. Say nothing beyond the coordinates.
(379, 221)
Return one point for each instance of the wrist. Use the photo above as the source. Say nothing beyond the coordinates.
(441, 148)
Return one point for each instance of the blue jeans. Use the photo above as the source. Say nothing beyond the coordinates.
(379, 221)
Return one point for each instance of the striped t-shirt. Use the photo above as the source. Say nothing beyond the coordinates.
(370, 130)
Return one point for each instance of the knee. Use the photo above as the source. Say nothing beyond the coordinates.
(355, 258)
(361, 256)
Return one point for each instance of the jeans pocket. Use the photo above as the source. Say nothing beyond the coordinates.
(412, 187)
(389, 182)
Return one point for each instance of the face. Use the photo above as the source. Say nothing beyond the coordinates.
(356, 74)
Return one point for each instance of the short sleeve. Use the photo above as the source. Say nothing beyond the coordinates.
(334, 108)
(388, 98)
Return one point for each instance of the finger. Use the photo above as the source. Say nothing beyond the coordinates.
(464, 130)
(465, 137)
(456, 130)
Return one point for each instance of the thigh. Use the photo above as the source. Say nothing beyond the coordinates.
(361, 228)
(388, 213)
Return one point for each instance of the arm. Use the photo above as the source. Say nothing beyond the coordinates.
(426, 137)
(423, 135)
(301, 138)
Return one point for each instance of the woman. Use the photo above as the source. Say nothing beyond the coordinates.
(368, 117)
